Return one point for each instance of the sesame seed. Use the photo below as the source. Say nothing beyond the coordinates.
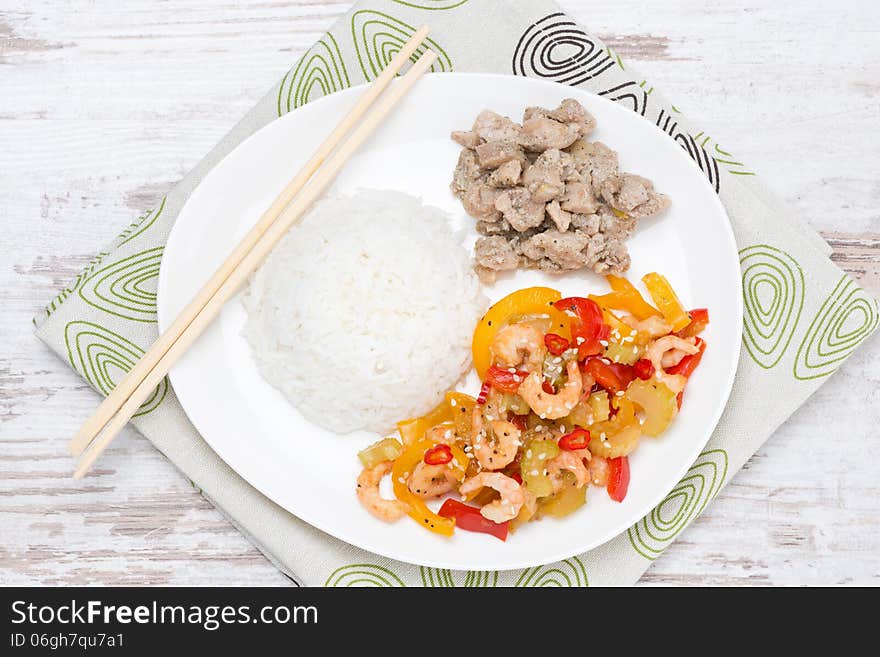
(580, 340)
(452, 402)
(604, 343)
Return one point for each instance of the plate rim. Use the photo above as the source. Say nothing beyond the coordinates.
(602, 539)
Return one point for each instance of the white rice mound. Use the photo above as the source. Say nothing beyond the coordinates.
(363, 315)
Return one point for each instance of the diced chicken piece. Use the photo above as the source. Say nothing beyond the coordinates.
(614, 259)
(543, 178)
(493, 154)
(607, 255)
(569, 168)
(519, 209)
(615, 226)
(560, 217)
(479, 202)
(564, 249)
(540, 133)
(467, 138)
(495, 253)
(586, 223)
(507, 175)
(569, 111)
(467, 171)
(654, 205)
(633, 195)
(578, 198)
(497, 227)
(595, 159)
(490, 126)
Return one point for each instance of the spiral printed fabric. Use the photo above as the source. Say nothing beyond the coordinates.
(803, 316)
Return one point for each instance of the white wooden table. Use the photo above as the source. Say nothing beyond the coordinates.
(104, 105)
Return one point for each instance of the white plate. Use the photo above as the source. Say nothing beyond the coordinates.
(311, 472)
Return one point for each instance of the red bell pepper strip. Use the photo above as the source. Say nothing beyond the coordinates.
(587, 325)
(699, 322)
(577, 439)
(611, 376)
(618, 478)
(438, 455)
(556, 344)
(644, 369)
(504, 380)
(547, 387)
(470, 519)
(688, 364)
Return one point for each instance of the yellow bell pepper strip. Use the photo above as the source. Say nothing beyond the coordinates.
(635, 302)
(619, 328)
(528, 301)
(461, 406)
(667, 301)
(386, 449)
(414, 429)
(404, 465)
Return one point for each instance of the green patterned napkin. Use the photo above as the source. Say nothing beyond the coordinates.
(803, 315)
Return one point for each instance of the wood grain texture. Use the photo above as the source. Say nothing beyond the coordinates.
(103, 105)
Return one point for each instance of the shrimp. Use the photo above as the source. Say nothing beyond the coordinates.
(599, 470)
(442, 433)
(368, 494)
(431, 480)
(500, 451)
(652, 327)
(570, 462)
(482, 413)
(552, 407)
(675, 348)
(519, 344)
(512, 496)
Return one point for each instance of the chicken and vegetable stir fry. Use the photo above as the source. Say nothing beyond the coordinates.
(570, 386)
(546, 197)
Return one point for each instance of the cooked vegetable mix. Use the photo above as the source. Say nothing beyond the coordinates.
(570, 387)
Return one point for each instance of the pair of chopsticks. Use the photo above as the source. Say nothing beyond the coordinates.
(286, 211)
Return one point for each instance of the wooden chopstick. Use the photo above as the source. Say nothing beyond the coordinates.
(114, 401)
(251, 260)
